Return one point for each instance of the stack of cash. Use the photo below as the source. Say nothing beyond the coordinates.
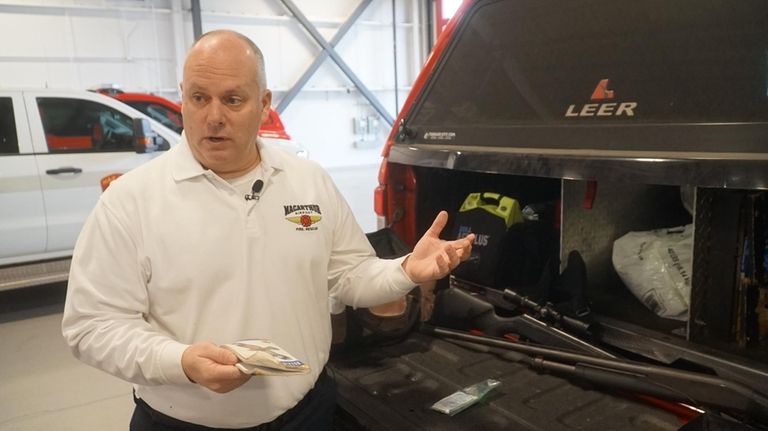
(265, 358)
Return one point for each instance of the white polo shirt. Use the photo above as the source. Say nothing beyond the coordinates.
(173, 255)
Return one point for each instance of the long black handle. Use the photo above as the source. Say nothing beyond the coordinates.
(456, 308)
(66, 170)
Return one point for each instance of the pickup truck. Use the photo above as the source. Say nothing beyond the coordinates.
(58, 150)
(168, 113)
(603, 112)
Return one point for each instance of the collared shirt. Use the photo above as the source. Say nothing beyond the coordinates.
(173, 255)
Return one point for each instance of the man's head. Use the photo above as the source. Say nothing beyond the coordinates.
(224, 101)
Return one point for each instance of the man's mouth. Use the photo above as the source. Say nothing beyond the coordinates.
(216, 139)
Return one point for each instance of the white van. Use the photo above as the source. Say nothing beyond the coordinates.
(58, 150)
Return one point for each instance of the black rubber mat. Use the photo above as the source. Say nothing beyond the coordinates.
(393, 387)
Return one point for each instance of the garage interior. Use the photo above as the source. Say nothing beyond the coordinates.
(660, 163)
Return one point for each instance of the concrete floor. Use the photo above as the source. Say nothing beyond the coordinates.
(43, 387)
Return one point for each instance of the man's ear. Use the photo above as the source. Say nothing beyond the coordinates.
(181, 88)
(266, 104)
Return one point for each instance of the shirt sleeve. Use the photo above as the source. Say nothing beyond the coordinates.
(356, 276)
(107, 300)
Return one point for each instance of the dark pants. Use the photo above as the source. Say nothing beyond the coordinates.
(313, 413)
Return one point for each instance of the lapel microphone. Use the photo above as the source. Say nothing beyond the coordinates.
(255, 191)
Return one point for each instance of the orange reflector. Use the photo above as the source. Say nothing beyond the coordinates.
(106, 181)
(378, 201)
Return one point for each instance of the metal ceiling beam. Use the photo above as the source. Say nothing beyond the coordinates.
(340, 33)
(197, 20)
(328, 49)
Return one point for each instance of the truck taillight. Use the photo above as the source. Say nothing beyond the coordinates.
(395, 200)
(380, 193)
(379, 204)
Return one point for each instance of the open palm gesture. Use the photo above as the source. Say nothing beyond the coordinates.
(433, 258)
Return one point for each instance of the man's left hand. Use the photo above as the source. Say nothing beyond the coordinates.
(433, 258)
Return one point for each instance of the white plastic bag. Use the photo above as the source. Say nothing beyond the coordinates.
(656, 267)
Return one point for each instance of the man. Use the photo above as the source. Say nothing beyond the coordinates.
(223, 239)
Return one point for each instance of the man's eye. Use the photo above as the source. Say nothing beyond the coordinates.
(197, 98)
(234, 100)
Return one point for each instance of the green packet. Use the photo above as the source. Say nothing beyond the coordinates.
(464, 398)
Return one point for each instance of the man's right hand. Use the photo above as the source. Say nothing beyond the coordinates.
(213, 367)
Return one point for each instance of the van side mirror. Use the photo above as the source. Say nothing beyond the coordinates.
(145, 139)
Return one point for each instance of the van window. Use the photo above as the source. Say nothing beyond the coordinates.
(163, 115)
(9, 142)
(74, 125)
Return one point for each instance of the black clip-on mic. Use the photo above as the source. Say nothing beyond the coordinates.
(255, 191)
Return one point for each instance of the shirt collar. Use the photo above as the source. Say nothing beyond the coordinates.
(185, 166)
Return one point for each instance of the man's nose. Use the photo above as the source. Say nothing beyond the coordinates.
(216, 114)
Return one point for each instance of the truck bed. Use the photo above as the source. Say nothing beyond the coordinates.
(392, 388)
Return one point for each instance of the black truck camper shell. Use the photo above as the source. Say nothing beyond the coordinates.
(614, 110)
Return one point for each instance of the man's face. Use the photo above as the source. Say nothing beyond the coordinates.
(223, 105)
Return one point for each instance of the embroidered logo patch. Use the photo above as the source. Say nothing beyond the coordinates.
(305, 216)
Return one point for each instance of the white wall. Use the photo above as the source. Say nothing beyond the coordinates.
(322, 116)
(140, 45)
(68, 44)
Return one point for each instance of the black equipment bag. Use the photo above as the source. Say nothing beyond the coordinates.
(508, 250)
(488, 216)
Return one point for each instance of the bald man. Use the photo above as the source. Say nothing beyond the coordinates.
(183, 254)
